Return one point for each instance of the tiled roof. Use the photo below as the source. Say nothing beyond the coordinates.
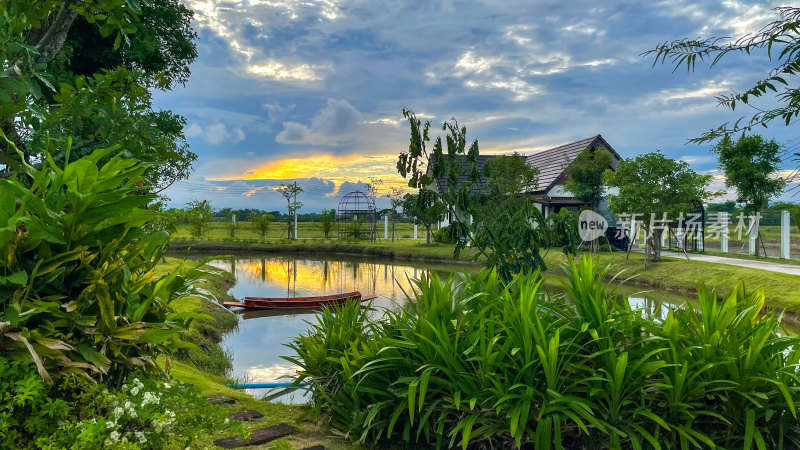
(551, 163)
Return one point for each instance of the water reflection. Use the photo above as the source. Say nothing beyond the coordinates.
(261, 337)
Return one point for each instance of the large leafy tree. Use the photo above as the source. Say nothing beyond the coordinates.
(749, 164)
(779, 40)
(653, 185)
(84, 68)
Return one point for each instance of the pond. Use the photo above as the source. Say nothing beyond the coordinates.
(258, 344)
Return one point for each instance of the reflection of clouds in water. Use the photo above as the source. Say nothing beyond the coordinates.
(274, 372)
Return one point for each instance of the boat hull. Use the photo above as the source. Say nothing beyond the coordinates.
(299, 302)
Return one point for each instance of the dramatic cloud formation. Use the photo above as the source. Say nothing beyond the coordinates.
(313, 91)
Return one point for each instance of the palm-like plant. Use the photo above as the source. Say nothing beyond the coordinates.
(473, 359)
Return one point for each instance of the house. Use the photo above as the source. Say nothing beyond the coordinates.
(552, 165)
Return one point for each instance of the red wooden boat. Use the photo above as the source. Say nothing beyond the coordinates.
(298, 302)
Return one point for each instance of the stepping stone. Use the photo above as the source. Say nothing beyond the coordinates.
(257, 437)
(221, 399)
(315, 447)
(247, 414)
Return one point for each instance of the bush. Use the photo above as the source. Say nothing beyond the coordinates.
(444, 236)
(145, 413)
(78, 291)
(474, 361)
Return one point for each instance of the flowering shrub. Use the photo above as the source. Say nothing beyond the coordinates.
(142, 414)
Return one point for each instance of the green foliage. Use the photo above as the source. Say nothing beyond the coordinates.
(783, 35)
(143, 414)
(78, 290)
(748, 164)
(327, 218)
(426, 207)
(444, 235)
(261, 224)
(199, 215)
(161, 49)
(488, 212)
(508, 176)
(473, 361)
(564, 233)
(654, 185)
(585, 176)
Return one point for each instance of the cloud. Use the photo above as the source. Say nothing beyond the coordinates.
(331, 124)
(215, 134)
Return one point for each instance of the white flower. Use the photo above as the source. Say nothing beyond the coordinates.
(149, 398)
(140, 437)
(135, 390)
(167, 386)
(111, 424)
(114, 436)
(118, 412)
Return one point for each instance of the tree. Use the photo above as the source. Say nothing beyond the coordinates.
(199, 216)
(426, 207)
(653, 185)
(509, 176)
(396, 201)
(511, 236)
(70, 69)
(749, 165)
(585, 176)
(779, 39)
(261, 224)
(289, 192)
(327, 218)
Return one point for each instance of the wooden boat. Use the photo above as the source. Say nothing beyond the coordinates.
(298, 302)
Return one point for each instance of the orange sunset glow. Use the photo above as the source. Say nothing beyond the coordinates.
(335, 168)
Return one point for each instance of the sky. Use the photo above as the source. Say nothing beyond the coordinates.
(313, 91)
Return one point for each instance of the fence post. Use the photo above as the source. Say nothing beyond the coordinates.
(386, 227)
(723, 239)
(415, 232)
(752, 237)
(785, 233)
(233, 217)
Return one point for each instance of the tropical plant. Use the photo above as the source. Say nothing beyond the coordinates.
(478, 363)
(327, 218)
(262, 223)
(78, 289)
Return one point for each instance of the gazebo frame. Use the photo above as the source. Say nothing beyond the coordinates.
(357, 217)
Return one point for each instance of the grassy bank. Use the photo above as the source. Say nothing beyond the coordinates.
(401, 250)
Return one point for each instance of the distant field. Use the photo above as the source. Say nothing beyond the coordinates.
(244, 230)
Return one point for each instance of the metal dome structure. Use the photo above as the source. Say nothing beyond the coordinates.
(357, 217)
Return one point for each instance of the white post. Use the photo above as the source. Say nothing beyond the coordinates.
(723, 244)
(233, 218)
(700, 236)
(785, 223)
(663, 238)
(295, 224)
(386, 227)
(679, 235)
(415, 232)
(633, 230)
(753, 234)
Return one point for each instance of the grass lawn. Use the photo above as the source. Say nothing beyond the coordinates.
(686, 277)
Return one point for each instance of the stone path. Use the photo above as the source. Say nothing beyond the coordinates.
(790, 269)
